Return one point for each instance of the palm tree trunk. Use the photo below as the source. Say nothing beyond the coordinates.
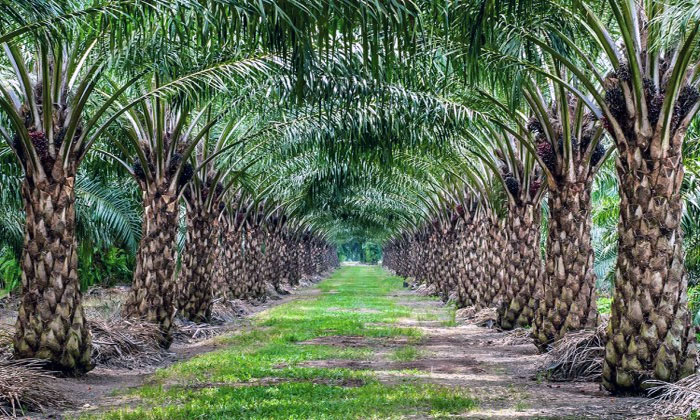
(463, 254)
(220, 280)
(51, 321)
(650, 332)
(151, 297)
(569, 301)
(237, 286)
(523, 267)
(475, 282)
(253, 264)
(198, 261)
(493, 245)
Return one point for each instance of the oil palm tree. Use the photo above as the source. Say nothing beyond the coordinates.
(648, 101)
(50, 141)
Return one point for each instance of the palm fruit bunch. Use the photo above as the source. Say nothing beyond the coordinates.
(534, 126)
(654, 101)
(598, 154)
(186, 174)
(534, 187)
(175, 161)
(41, 145)
(546, 153)
(512, 184)
(687, 98)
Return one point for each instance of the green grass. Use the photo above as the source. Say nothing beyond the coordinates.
(405, 354)
(451, 320)
(603, 304)
(274, 369)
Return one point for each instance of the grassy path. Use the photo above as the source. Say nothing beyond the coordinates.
(344, 349)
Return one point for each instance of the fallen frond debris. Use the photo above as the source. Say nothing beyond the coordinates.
(5, 340)
(189, 331)
(516, 337)
(466, 313)
(119, 342)
(25, 385)
(677, 399)
(577, 357)
(427, 290)
(224, 311)
(485, 317)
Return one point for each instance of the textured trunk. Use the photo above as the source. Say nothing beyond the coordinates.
(151, 297)
(253, 264)
(462, 262)
(293, 252)
(523, 268)
(198, 262)
(650, 331)
(569, 302)
(234, 261)
(474, 272)
(51, 321)
(270, 261)
(492, 247)
(220, 280)
(449, 264)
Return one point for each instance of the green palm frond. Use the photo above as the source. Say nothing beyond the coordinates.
(106, 213)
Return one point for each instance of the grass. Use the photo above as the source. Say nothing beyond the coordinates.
(603, 304)
(451, 316)
(405, 354)
(275, 369)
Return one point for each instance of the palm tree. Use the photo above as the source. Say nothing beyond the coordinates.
(163, 138)
(568, 165)
(50, 142)
(648, 102)
(514, 168)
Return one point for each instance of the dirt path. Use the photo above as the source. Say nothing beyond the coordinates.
(500, 370)
(104, 387)
(341, 346)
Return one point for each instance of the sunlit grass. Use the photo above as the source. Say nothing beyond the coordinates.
(406, 354)
(268, 371)
(603, 305)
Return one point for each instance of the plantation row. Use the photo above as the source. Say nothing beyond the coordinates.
(245, 256)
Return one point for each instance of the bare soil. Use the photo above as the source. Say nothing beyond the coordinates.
(500, 370)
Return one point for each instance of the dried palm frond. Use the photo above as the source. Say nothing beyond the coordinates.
(516, 337)
(486, 317)
(675, 399)
(5, 339)
(577, 357)
(25, 385)
(467, 312)
(119, 342)
(191, 331)
(224, 311)
(427, 290)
